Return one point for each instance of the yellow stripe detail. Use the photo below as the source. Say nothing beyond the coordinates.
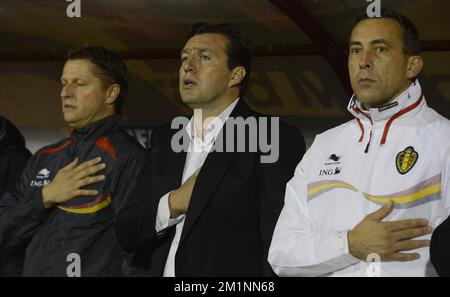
(92, 209)
(323, 187)
(408, 198)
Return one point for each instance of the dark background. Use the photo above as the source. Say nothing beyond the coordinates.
(299, 70)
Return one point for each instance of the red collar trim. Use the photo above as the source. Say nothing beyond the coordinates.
(396, 116)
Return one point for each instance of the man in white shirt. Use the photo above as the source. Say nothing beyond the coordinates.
(209, 208)
(366, 195)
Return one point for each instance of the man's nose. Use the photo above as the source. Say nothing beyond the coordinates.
(365, 60)
(190, 64)
(66, 91)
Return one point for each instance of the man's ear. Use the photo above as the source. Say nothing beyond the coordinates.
(415, 64)
(112, 93)
(237, 75)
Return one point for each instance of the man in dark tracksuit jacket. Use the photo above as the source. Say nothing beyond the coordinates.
(72, 234)
(13, 158)
(13, 155)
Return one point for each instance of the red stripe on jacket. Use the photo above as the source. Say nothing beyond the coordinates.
(104, 143)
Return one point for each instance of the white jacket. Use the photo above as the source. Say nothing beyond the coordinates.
(399, 152)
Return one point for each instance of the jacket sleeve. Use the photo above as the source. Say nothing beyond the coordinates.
(135, 223)
(440, 239)
(300, 246)
(18, 160)
(21, 212)
(125, 174)
(272, 184)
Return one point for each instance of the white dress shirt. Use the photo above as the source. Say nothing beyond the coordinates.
(196, 156)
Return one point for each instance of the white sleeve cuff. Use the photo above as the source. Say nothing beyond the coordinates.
(342, 245)
(342, 241)
(163, 219)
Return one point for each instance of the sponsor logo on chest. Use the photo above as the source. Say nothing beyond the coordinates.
(42, 178)
(331, 166)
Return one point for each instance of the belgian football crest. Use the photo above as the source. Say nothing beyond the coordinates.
(406, 160)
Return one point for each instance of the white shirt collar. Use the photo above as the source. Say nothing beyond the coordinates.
(213, 128)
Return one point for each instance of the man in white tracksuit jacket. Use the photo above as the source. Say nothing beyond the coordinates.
(337, 216)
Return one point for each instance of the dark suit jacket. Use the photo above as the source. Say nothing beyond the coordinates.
(440, 248)
(233, 210)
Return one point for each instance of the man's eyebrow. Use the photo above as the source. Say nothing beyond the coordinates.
(377, 41)
(373, 42)
(354, 43)
(80, 77)
(187, 50)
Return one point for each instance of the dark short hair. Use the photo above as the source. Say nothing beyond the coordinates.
(411, 40)
(239, 51)
(112, 70)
